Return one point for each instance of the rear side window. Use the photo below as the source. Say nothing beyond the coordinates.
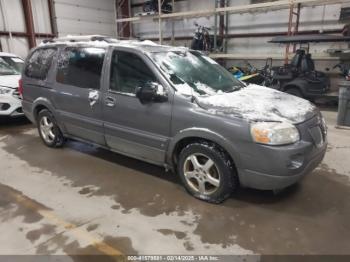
(81, 67)
(39, 63)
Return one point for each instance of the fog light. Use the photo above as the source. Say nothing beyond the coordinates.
(4, 106)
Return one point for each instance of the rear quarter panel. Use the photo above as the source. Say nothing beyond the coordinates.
(37, 92)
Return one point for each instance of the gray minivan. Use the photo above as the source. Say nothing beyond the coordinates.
(172, 107)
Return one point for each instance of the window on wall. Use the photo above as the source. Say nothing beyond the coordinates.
(39, 63)
(81, 67)
(128, 72)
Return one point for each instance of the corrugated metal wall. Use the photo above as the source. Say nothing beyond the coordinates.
(12, 19)
(85, 17)
(98, 17)
(76, 17)
(312, 18)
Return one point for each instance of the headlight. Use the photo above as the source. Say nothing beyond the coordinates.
(274, 133)
(4, 90)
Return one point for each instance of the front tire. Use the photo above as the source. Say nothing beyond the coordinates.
(207, 172)
(48, 129)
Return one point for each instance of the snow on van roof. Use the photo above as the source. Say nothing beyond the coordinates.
(103, 41)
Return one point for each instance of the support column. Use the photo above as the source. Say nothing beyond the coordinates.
(160, 29)
(296, 28)
(52, 13)
(28, 17)
(222, 20)
(123, 11)
(173, 26)
(290, 24)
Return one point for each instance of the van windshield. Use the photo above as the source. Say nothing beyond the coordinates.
(192, 73)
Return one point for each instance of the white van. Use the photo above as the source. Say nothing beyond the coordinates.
(10, 74)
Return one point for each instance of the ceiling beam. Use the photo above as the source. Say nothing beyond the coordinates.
(24, 34)
(258, 34)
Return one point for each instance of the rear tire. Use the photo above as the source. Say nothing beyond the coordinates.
(294, 92)
(207, 172)
(48, 129)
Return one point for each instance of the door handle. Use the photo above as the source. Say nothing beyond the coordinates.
(110, 101)
(93, 97)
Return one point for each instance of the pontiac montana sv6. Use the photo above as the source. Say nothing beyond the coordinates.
(172, 107)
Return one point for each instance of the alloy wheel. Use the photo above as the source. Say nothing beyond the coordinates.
(201, 174)
(46, 129)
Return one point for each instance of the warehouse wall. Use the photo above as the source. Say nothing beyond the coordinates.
(85, 17)
(41, 16)
(12, 21)
(97, 17)
(312, 18)
(76, 17)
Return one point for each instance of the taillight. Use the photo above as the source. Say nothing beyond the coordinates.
(20, 88)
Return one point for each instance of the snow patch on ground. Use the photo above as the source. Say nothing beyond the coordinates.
(3, 137)
(142, 230)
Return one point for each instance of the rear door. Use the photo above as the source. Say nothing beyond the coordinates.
(77, 94)
(132, 128)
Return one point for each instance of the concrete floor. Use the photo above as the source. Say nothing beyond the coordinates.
(85, 200)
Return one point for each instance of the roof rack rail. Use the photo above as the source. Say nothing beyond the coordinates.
(83, 38)
(87, 38)
(49, 40)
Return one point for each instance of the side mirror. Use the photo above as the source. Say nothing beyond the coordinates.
(151, 92)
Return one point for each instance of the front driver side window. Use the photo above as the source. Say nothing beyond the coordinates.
(128, 72)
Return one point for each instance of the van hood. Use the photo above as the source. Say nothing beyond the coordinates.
(258, 103)
(10, 81)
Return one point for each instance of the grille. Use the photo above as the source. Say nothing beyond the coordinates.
(317, 135)
(318, 131)
(314, 130)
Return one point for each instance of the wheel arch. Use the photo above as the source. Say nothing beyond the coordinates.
(192, 135)
(40, 104)
(43, 103)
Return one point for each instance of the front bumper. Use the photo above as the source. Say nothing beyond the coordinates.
(285, 178)
(277, 167)
(10, 106)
